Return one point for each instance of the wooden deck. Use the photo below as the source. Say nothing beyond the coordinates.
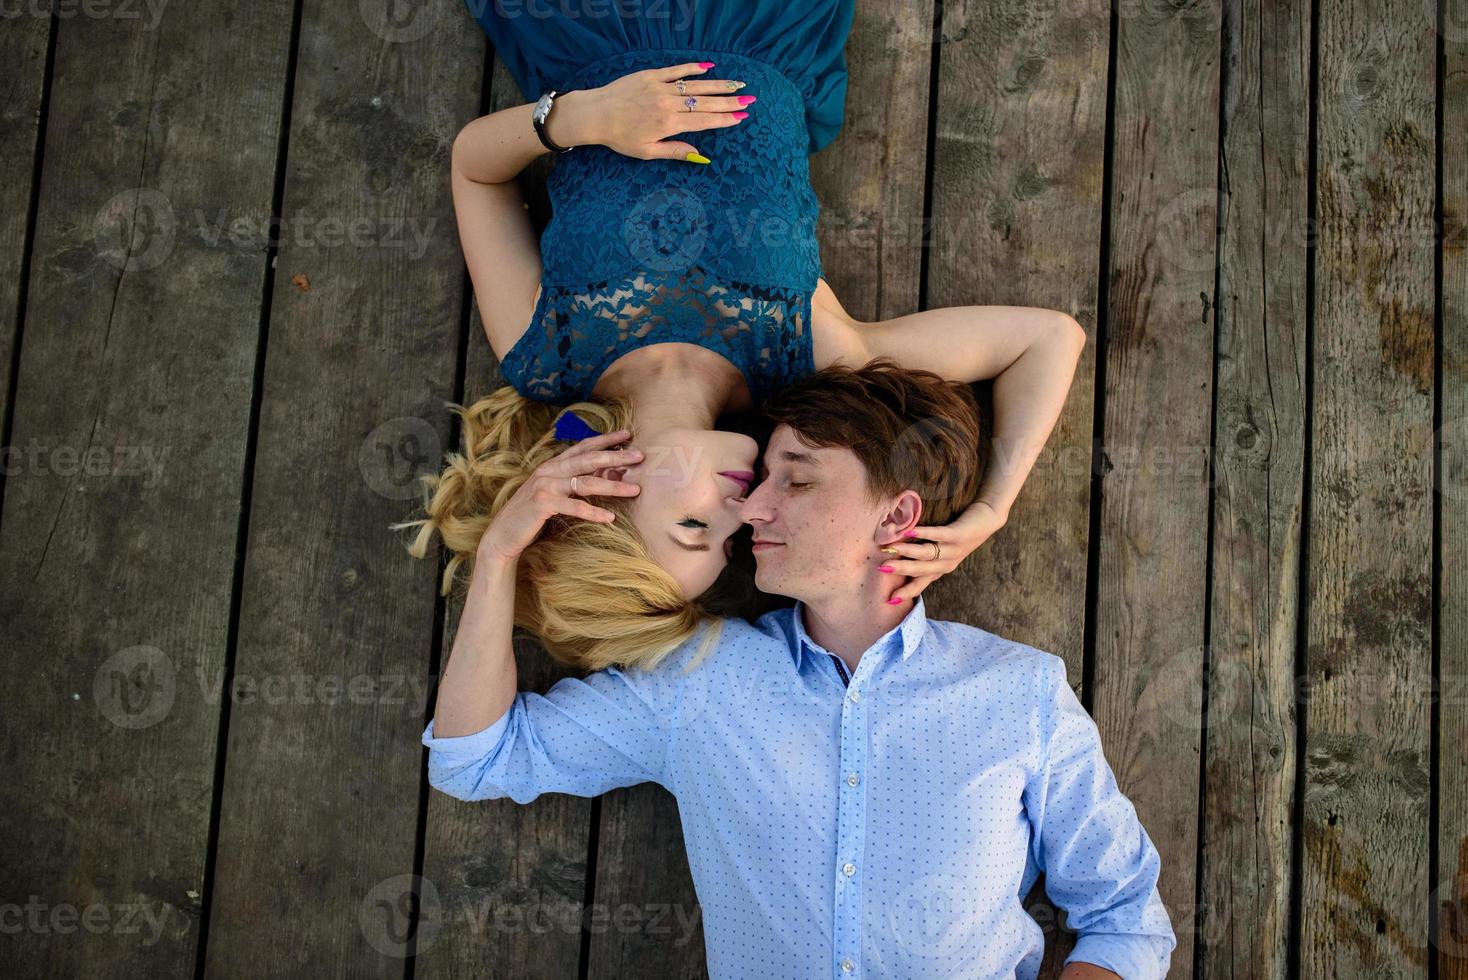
(234, 305)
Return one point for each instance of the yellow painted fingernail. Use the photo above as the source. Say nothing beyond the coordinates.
(696, 158)
(735, 86)
(889, 551)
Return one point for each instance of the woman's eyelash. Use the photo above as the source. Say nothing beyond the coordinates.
(696, 522)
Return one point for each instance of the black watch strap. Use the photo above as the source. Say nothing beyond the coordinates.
(538, 118)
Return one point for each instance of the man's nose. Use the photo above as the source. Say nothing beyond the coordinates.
(753, 507)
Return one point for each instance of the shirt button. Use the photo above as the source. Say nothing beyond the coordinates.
(855, 694)
(852, 779)
(848, 869)
(847, 966)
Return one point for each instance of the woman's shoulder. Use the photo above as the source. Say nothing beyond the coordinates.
(835, 334)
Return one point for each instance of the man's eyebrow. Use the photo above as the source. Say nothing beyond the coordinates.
(791, 456)
(687, 547)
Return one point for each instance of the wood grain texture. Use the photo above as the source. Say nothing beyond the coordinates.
(23, 50)
(1259, 446)
(1158, 354)
(132, 416)
(1017, 195)
(1448, 910)
(870, 180)
(1366, 817)
(510, 877)
(320, 796)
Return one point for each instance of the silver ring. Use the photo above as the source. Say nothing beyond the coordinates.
(573, 485)
(937, 551)
(681, 89)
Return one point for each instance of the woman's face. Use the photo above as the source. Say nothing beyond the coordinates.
(688, 509)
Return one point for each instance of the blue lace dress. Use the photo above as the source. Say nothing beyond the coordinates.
(638, 252)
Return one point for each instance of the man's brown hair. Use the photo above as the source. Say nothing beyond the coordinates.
(911, 429)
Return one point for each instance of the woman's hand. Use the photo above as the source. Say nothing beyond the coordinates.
(632, 114)
(548, 491)
(955, 542)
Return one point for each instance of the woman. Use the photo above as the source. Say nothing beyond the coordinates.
(677, 281)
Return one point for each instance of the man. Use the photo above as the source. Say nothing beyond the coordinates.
(864, 791)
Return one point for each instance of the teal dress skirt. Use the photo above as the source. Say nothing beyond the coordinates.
(723, 255)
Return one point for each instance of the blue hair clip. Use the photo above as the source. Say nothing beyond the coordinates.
(570, 427)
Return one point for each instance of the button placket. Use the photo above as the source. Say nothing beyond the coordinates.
(851, 829)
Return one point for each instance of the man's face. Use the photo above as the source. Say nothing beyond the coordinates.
(812, 503)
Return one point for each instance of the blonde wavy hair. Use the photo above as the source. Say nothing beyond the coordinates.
(589, 591)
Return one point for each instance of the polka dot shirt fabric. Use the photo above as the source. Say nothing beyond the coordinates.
(885, 825)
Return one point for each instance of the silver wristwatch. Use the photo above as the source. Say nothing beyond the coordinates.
(538, 117)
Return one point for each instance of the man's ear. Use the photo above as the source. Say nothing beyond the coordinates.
(904, 514)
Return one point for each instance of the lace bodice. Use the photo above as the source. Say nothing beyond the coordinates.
(638, 252)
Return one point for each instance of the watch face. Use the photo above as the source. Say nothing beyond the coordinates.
(542, 108)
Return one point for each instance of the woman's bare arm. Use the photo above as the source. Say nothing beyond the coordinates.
(1030, 352)
(500, 247)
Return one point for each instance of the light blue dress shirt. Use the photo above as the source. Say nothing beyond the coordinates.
(886, 827)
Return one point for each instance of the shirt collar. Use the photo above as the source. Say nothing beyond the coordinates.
(908, 633)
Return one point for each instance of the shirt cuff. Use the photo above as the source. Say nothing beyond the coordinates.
(1132, 957)
(467, 748)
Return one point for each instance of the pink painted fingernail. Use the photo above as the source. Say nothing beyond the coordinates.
(910, 534)
(894, 600)
(705, 64)
(885, 568)
(746, 99)
(739, 115)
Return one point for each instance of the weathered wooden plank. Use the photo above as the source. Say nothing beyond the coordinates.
(1369, 573)
(510, 878)
(1017, 181)
(132, 416)
(1448, 926)
(1259, 447)
(1157, 351)
(321, 785)
(870, 180)
(23, 48)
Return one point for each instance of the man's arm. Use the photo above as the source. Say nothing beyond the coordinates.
(583, 736)
(1099, 863)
